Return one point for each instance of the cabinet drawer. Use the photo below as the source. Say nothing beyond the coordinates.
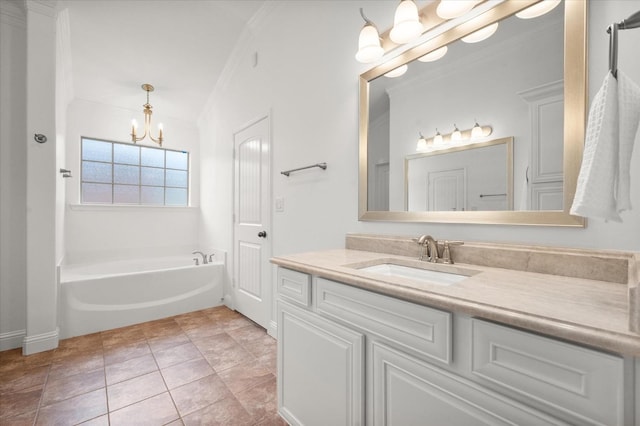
(294, 286)
(419, 330)
(584, 384)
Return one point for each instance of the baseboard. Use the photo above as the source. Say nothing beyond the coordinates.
(272, 330)
(12, 339)
(40, 342)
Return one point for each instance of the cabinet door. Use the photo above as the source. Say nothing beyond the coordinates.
(407, 391)
(320, 370)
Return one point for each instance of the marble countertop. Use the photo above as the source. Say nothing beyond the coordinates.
(589, 312)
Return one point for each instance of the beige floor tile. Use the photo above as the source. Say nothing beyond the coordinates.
(135, 390)
(198, 394)
(186, 372)
(227, 411)
(74, 410)
(158, 410)
(162, 343)
(22, 378)
(65, 387)
(177, 354)
(245, 376)
(19, 402)
(119, 353)
(260, 401)
(246, 335)
(130, 368)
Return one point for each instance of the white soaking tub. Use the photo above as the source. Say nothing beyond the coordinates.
(103, 296)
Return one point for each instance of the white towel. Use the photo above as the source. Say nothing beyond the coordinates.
(603, 189)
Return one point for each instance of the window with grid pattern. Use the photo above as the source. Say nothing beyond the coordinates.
(122, 173)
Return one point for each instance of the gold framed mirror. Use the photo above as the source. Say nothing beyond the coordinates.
(572, 87)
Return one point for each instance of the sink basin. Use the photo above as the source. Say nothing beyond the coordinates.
(420, 274)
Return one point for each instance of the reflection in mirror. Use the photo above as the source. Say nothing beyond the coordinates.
(515, 82)
(469, 177)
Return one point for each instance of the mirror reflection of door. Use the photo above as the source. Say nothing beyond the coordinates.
(446, 190)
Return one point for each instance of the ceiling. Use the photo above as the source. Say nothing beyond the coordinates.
(178, 46)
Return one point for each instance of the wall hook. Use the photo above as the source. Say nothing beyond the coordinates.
(40, 138)
(65, 173)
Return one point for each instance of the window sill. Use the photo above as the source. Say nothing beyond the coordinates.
(128, 208)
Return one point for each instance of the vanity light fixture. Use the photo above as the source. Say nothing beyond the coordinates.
(397, 72)
(450, 9)
(538, 9)
(406, 23)
(435, 55)
(468, 136)
(481, 34)
(369, 48)
(147, 121)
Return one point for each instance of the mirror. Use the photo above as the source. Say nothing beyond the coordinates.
(474, 177)
(514, 82)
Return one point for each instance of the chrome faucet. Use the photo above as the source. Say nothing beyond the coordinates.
(427, 242)
(429, 249)
(204, 257)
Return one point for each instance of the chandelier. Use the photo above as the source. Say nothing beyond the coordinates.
(147, 121)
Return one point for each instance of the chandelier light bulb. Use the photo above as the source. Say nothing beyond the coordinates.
(450, 9)
(538, 9)
(406, 23)
(481, 34)
(435, 55)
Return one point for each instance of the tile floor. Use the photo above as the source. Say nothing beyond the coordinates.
(209, 367)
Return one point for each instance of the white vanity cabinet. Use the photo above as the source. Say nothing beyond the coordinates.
(349, 356)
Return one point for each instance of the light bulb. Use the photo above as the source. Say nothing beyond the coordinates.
(476, 132)
(437, 139)
(160, 126)
(406, 23)
(435, 55)
(538, 9)
(481, 34)
(456, 135)
(134, 124)
(397, 72)
(422, 144)
(449, 9)
(369, 49)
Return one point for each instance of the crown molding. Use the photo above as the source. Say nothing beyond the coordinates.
(43, 7)
(12, 12)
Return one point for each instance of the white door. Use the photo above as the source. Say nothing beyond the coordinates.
(252, 219)
(446, 190)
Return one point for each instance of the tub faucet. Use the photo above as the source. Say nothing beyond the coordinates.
(427, 242)
(204, 257)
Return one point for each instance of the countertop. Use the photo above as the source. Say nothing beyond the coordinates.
(589, 312)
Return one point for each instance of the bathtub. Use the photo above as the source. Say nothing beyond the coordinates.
(103, 296)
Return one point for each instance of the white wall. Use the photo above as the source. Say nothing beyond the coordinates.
(13, 175)
(307, 76)
(111, 232)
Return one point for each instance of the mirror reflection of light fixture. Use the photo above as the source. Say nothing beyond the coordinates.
(369, 48)
(435, 55)
(422, 144)
(397, 72)
(476, 131)
(437, 139)
(456, 135)
(450, 9)
(406, 23)
(147, 121)
(538, 9)
(481, 34)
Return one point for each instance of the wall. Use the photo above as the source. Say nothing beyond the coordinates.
(13, 176)
(112, 232)
(309, 83)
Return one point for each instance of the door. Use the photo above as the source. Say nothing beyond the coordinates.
(446, 190)
(252, 220)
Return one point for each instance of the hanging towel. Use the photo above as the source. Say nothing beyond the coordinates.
(629, 111)
(603, 189)
(599, 172)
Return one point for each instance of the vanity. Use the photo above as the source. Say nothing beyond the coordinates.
(365, 337)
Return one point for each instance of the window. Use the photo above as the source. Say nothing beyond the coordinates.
(121, 173)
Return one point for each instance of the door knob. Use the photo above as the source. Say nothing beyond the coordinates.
(262, 234)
